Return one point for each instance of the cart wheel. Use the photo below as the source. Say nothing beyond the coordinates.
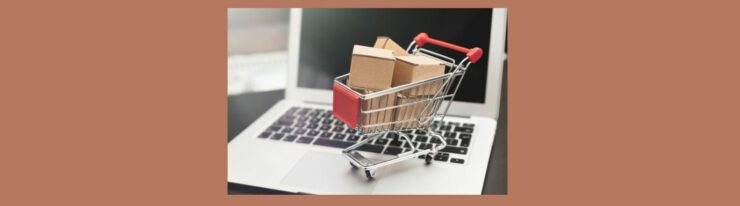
(428, 159)
(353, 166)
(369, 174)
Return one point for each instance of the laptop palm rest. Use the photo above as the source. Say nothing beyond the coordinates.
(329, 173)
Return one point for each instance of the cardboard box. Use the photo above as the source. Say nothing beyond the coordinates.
(371, 68)
(385, 42)
(409, 69)
(409, 115)
(383, 116)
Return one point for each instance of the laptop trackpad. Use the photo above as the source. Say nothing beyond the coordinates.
(329, 173)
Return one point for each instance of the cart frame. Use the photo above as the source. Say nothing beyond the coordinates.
(372, 113)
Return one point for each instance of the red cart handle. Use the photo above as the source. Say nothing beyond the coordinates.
(473, 53)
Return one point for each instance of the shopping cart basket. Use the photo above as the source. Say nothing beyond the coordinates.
(402, 108)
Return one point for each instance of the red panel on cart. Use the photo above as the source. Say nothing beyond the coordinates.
(346, 106)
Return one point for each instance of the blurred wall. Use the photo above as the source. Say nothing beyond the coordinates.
(257, 30)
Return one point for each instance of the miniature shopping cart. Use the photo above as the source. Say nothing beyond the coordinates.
(400, 109)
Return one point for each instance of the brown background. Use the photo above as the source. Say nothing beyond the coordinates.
(611, 103)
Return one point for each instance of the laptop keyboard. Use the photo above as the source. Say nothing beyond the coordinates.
(319, 127)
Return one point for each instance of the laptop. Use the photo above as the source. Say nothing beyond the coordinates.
(296, 145)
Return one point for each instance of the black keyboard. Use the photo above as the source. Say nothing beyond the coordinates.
(319, 127)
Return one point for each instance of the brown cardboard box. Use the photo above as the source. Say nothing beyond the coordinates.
(383, 116)
(409, 69)
(385, 42)
(409, 115)
(371, 68)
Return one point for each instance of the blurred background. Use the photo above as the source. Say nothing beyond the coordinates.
(257, 50)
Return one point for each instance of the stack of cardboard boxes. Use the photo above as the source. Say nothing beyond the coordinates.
(388, 65)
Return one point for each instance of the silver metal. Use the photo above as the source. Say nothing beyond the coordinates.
(379, 115)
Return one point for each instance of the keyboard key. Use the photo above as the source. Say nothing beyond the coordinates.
(451, 141)
(264, 135)
(464, 129)
(299, 131)
(332, 143)
(456, 150)
(314, 120)
(421, 139)
(284, 122)
(371, 148)
(465, 136)
(465, 142)
(468, 125)
(396, 143)
(312, 126)
(290, 138)
(422, 132)
(458, 161)
(392, 135)
(299, 125)
(445, 127)
(351, 131)
(274, 128)
(353, 137)
(312, 133)
(288, 116)
(287, 130)
(303, 111)
(381, 141)
(442, 157)
(338, 129)
(435, 140)
(326, 135)
(325, 127)
(424, 146)
(450, 134)
(339, 136)
(305, 140)
(393, 150)
(277, 136)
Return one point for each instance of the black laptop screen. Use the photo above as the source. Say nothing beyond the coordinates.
(327, 37)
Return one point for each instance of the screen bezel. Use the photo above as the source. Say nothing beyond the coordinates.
(493, 86)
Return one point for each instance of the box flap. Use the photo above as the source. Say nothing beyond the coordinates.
(372, 52)
(385, 42)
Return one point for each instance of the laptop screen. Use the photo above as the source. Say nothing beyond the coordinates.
(327, 37)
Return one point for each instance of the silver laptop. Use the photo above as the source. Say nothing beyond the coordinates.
(296, 145)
